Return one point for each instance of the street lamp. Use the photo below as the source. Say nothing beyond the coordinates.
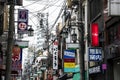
(74, 36)
(30, 31)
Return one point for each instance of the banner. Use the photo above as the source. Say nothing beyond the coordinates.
(55, 55)
(22, 21)
(17, 59)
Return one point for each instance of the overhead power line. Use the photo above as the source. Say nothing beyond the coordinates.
(59, 15)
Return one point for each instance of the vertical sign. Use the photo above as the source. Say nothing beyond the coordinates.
(17, 58)
(69, 60)
(22, 21)
(95, 33)
(55, 55)
(95, 54)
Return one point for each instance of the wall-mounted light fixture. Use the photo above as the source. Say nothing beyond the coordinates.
(74, 36)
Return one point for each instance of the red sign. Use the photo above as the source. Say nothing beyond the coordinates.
(95, 33)
(69, 60)
(15, 53)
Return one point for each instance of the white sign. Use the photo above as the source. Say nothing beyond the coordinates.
(42, 68)
(96, 69)
(72, 45)
(22, 43)
(69, 53)
(55, 55)
(114, 7)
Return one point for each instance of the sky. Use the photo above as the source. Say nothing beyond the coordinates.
(52, 7)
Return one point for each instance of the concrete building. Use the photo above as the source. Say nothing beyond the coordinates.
(105, 42)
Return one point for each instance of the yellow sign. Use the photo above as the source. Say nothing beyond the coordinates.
(69, 65)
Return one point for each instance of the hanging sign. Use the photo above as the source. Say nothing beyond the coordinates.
(22, 21)
(95, 54)
(55, 55)
(69, 60)
(17, 59)
(94, 34)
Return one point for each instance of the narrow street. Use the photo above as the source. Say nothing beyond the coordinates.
(59, 39)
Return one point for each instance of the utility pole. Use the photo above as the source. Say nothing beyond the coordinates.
(81, 41)
(47, 33)
(10, 42)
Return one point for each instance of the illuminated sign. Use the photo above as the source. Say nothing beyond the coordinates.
(94, 34)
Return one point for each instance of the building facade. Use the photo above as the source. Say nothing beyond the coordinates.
(112, 48)
(108, 23)
(3, 35)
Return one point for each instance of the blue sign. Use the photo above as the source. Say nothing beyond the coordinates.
(95, 54)
(69, 54)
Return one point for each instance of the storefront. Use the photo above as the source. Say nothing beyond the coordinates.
(112, 50)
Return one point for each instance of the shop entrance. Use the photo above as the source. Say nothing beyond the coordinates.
(116, 69)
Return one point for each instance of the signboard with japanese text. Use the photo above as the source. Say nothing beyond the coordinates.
(55, 55)
(95, 54)
(69, 54)
(95, 69)
(69, 60)
(22, 21)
